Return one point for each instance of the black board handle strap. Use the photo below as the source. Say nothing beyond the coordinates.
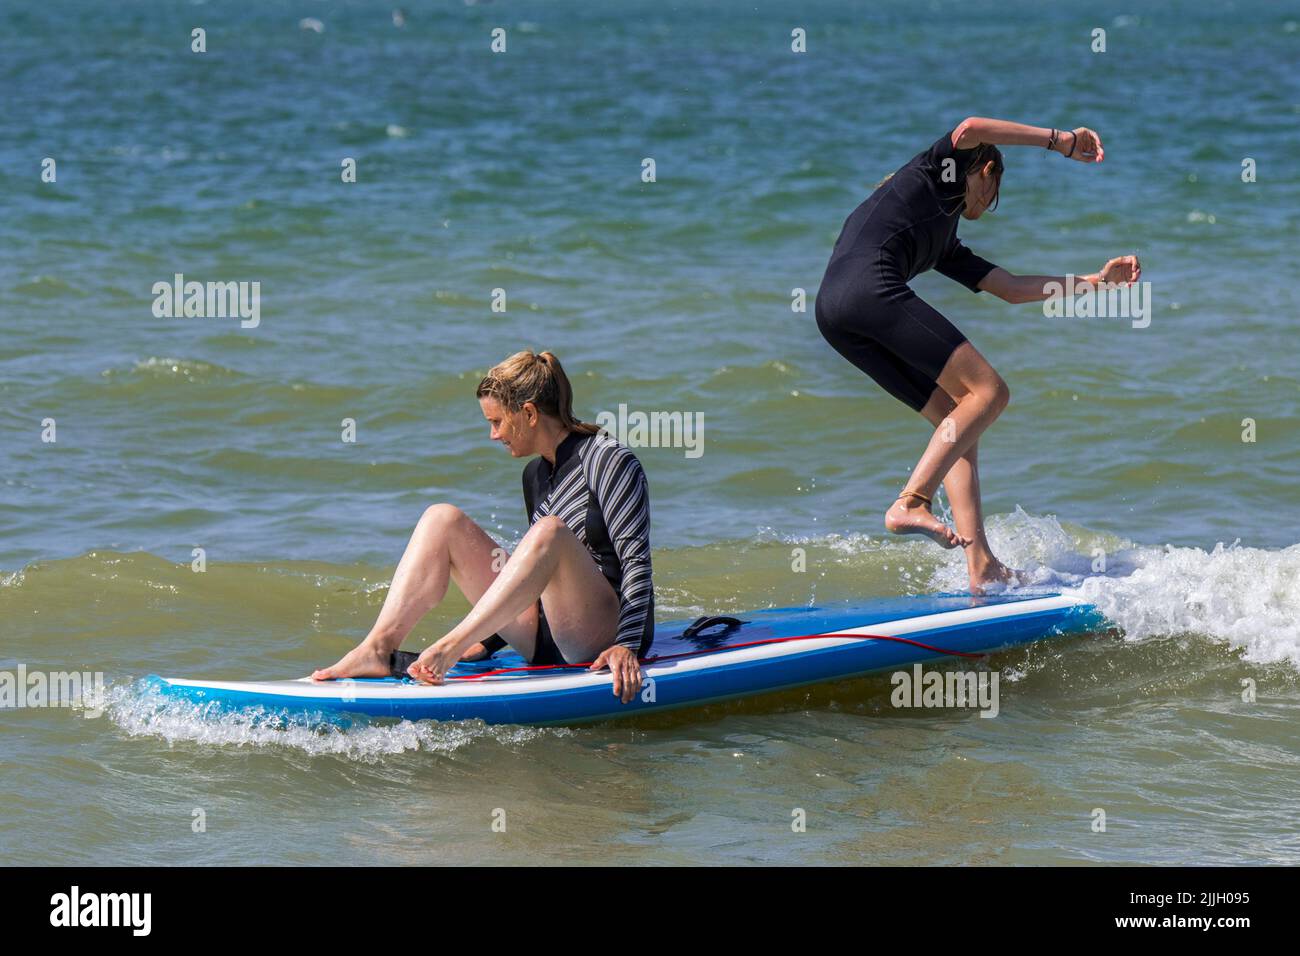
(707, 623)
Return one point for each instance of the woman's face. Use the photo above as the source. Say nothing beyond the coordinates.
(512, 429)
(981, 188)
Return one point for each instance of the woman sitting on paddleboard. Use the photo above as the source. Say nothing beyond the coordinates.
(578, 586)
(866, 311)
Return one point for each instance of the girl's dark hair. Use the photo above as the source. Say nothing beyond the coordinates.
(538, 378)
(984, 153)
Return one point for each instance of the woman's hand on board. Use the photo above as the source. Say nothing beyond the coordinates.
(625, 668)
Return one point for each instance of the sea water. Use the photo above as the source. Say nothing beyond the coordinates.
(200, 511)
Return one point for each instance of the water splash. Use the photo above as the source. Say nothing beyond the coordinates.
(1246, 598)
(141, 711)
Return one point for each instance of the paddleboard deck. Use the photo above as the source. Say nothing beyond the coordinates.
(771, 650)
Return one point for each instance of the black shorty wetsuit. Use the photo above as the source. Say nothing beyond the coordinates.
(864, 307)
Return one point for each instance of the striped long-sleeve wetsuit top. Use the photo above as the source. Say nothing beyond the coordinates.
(597, 488)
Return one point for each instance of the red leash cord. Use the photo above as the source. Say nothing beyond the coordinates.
(714, 650)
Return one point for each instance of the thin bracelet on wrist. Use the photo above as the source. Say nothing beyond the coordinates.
(1073, 143)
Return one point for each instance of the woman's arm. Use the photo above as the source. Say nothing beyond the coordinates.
(1081, 144)
(619, 486)
(1013, 288)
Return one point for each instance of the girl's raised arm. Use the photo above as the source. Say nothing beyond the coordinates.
(1081, 144)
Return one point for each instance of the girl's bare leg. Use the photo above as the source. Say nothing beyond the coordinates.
(962, 485)
(446, 545)
(979, 395)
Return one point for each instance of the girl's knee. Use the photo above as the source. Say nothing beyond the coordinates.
(993, 392)
(1001, 394)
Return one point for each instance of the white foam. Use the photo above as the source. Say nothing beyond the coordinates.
(141, 710)
(1247, 598)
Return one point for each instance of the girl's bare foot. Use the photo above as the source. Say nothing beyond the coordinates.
(364, 660)
(910, 514)
(993, 571)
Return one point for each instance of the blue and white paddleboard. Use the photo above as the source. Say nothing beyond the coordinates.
(771, 650)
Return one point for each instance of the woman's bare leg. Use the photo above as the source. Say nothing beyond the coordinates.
(962, 485)
(550, 563)
(446, 545)
(979, 395)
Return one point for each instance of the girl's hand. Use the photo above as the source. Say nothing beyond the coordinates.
(622, 663)
(432, 666)
(1086, 143)
(1124, 270)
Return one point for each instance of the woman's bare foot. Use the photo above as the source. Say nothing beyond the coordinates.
(909, 515)
(364, 660)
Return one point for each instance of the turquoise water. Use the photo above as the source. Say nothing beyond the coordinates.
(522, 171)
